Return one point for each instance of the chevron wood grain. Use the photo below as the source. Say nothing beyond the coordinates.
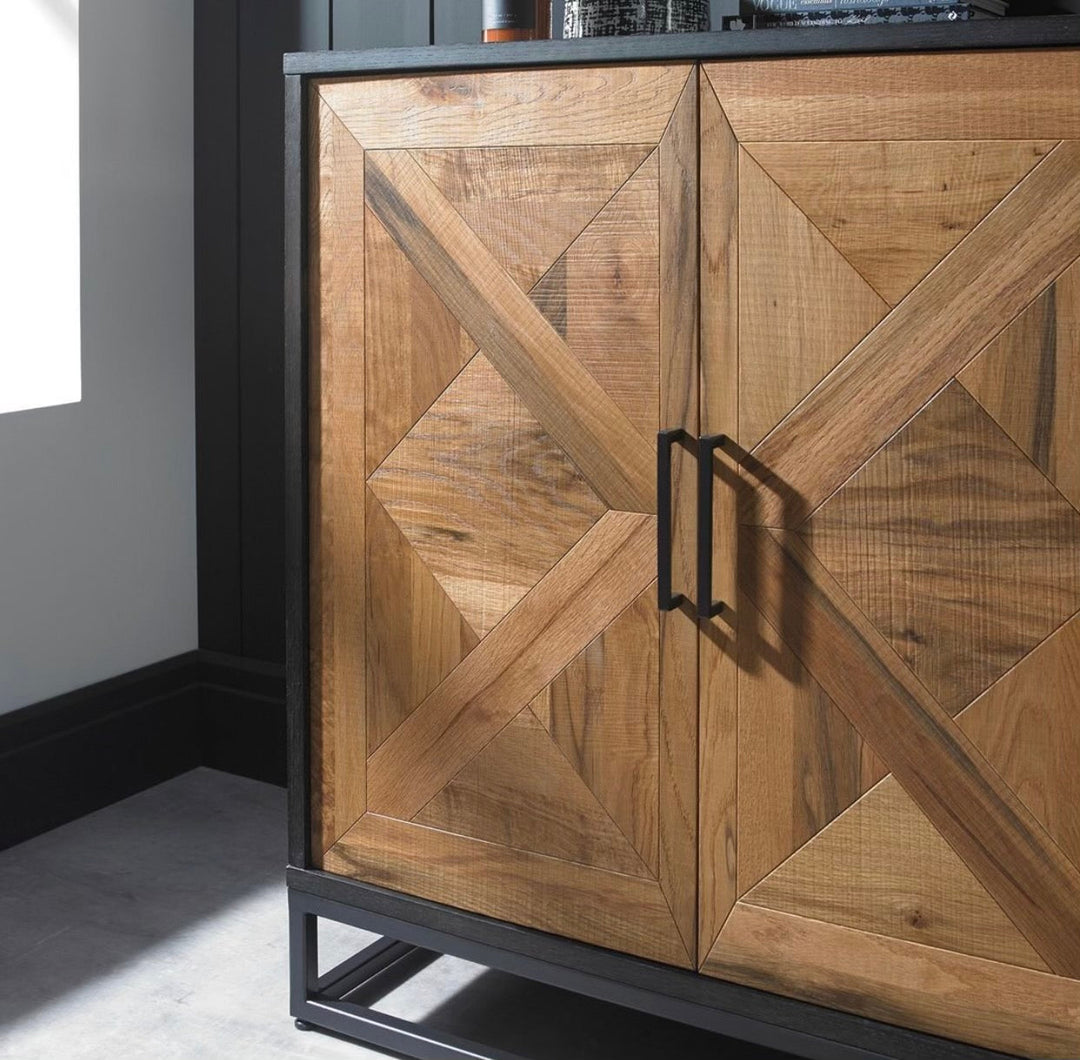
(566, 106)
(605, 908)
(337, 513)
(962, 305)
(614, 458)
(999, 1006)
(582, 594)
(974, 95)
(997, 837)
(718, 674)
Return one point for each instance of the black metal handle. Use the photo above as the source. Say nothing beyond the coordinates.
(707, 607)
(666, 600)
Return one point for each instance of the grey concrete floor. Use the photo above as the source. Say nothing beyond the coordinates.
(157, 928)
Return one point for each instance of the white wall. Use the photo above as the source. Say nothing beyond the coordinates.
(97, 499)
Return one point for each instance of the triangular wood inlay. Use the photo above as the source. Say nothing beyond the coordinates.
(602, 297)
(529, 203)
(894, 209)
(883, 868)
(802, 307)
(521, 791)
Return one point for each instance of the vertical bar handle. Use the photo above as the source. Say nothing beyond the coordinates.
(666, 600)
(707, 607)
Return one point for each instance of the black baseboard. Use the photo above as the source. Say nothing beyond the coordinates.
(71, 755)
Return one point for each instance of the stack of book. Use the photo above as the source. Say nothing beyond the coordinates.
(797, 13)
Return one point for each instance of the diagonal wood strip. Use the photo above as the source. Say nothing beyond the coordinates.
(596, 580)
(950, 315)
(575, 410)
(605, 908)
(997, 837)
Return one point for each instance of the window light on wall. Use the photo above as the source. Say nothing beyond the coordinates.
(40, 354)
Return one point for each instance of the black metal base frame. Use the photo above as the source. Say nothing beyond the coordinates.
(414, 932)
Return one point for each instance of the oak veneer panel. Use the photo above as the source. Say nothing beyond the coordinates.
(998, 1006)
(997, 837)
(1028, 379)
(1028, 727)
(521, 792)
(802, 306)
(801, 763)
(484, 495)
(882, 868)
(679, 399)
(602, 297)
(955, 546)
(579, 598)
(614, 458)
(336, 448)
(570, 106)
(413, 346)
(415, 634)
(718, 674)
(607, 909)
(894, 209)
(1002, 265)
(954, 96)
(603, 711)
(528, 204)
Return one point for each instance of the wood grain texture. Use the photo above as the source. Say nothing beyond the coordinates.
(802, 307)
(1004, 263)
(955, 547)
(484, 495)
(603, 295)
(801, 763)
(614, 458)
(1028, 379)
(567, 106)
(415, 635)
(1028, 727)
(894, 209)
(521, 792)
(679, 407)
(882, 868)
(1026, 1012)
(997, 837)
(578, 599)
(336, 451)
(528, 204)
(718, 674)
(603, 712)
(957, 96)
(607, 909)
(413, 346)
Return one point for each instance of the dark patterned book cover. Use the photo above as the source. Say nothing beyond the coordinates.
(605, 18)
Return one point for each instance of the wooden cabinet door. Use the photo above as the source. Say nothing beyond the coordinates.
(504, 289)
(891, 739)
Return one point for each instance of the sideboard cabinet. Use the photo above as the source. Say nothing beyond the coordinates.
(691, 468)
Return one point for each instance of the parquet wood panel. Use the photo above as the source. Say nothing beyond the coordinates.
(1028, 379)
(1005, 262)
(802, 306)
(956, 548)
(336, 451)
(614, 458)
(987, 95)
(998, 1006)
(603, 712)
(484, 495)
(569, 106)
(894, 209)
(528, 204)
(576, 600)
(602, 297)
(882, 868)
